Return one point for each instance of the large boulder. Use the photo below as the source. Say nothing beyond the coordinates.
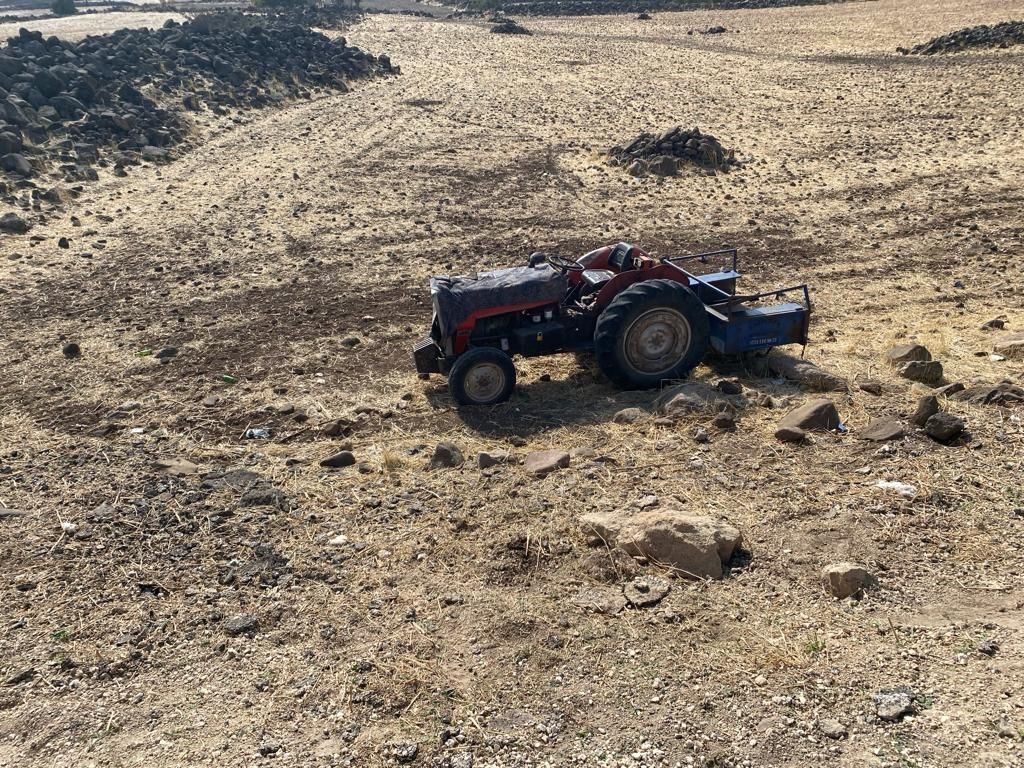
(695, 545)
(818, 414)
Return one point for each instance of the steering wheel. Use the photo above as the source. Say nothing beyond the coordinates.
(563, 265)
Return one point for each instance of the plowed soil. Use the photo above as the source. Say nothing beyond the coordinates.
(287, 259)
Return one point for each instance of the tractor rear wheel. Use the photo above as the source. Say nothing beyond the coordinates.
(652, 331)
(482, 376)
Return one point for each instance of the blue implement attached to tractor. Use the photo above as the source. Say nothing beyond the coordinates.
(647, 320)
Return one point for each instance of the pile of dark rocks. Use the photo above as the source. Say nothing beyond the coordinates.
(1001, 35)
(123, 98)
(509, 27)
(663, 154)
(594, 7)
(321, 17)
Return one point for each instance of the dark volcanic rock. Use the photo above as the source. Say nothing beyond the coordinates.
(122, 95)
(1001, 35)
(662, 153)
(509, 27)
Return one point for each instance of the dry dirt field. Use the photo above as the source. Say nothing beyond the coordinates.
(393, 613)
(77, 27)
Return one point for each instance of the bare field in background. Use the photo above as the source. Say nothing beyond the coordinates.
(85, 24)
(444, 618)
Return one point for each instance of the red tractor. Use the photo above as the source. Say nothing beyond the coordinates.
(646, 320)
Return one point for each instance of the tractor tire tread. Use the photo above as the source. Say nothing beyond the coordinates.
(612, 322)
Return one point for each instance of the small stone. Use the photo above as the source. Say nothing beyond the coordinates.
(243, 624)
(816, 415)
(177, 467)
(927, 372)
(446, 455)
(269, 747)
(338, 541)
(543, 463)
(995, 324)
(944, 427)
(927, 407)
(871, 387)
(350, 341)
(1010, 345)
(844, 580)
(339, 460)
(701, 435)
(905, 353)
(166, 354)
(12, 222)
(405, 753)
(605, 600)
(725, 421)
(893, 704)
(730, 387)
(645, 591)
(832, 729)
(948, 390)
(63, 243)
(488, 459)
(72, 350)
(790, 434)
(584, 452)
(881, 430)
(988, 647)
(628, 416)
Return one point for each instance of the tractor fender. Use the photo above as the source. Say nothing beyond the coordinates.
(623, 280)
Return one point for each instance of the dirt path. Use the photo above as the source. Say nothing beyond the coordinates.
(290, 254)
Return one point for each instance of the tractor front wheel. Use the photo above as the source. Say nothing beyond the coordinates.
(653, 331)
(482, 376)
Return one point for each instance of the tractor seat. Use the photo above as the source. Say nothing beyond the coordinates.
(456, 297)
(595, 278)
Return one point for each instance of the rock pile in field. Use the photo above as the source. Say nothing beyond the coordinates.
(663, 154)
(321, 17)
(593, 7)
(509, 27)
(124, 97)
(1001, 35)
